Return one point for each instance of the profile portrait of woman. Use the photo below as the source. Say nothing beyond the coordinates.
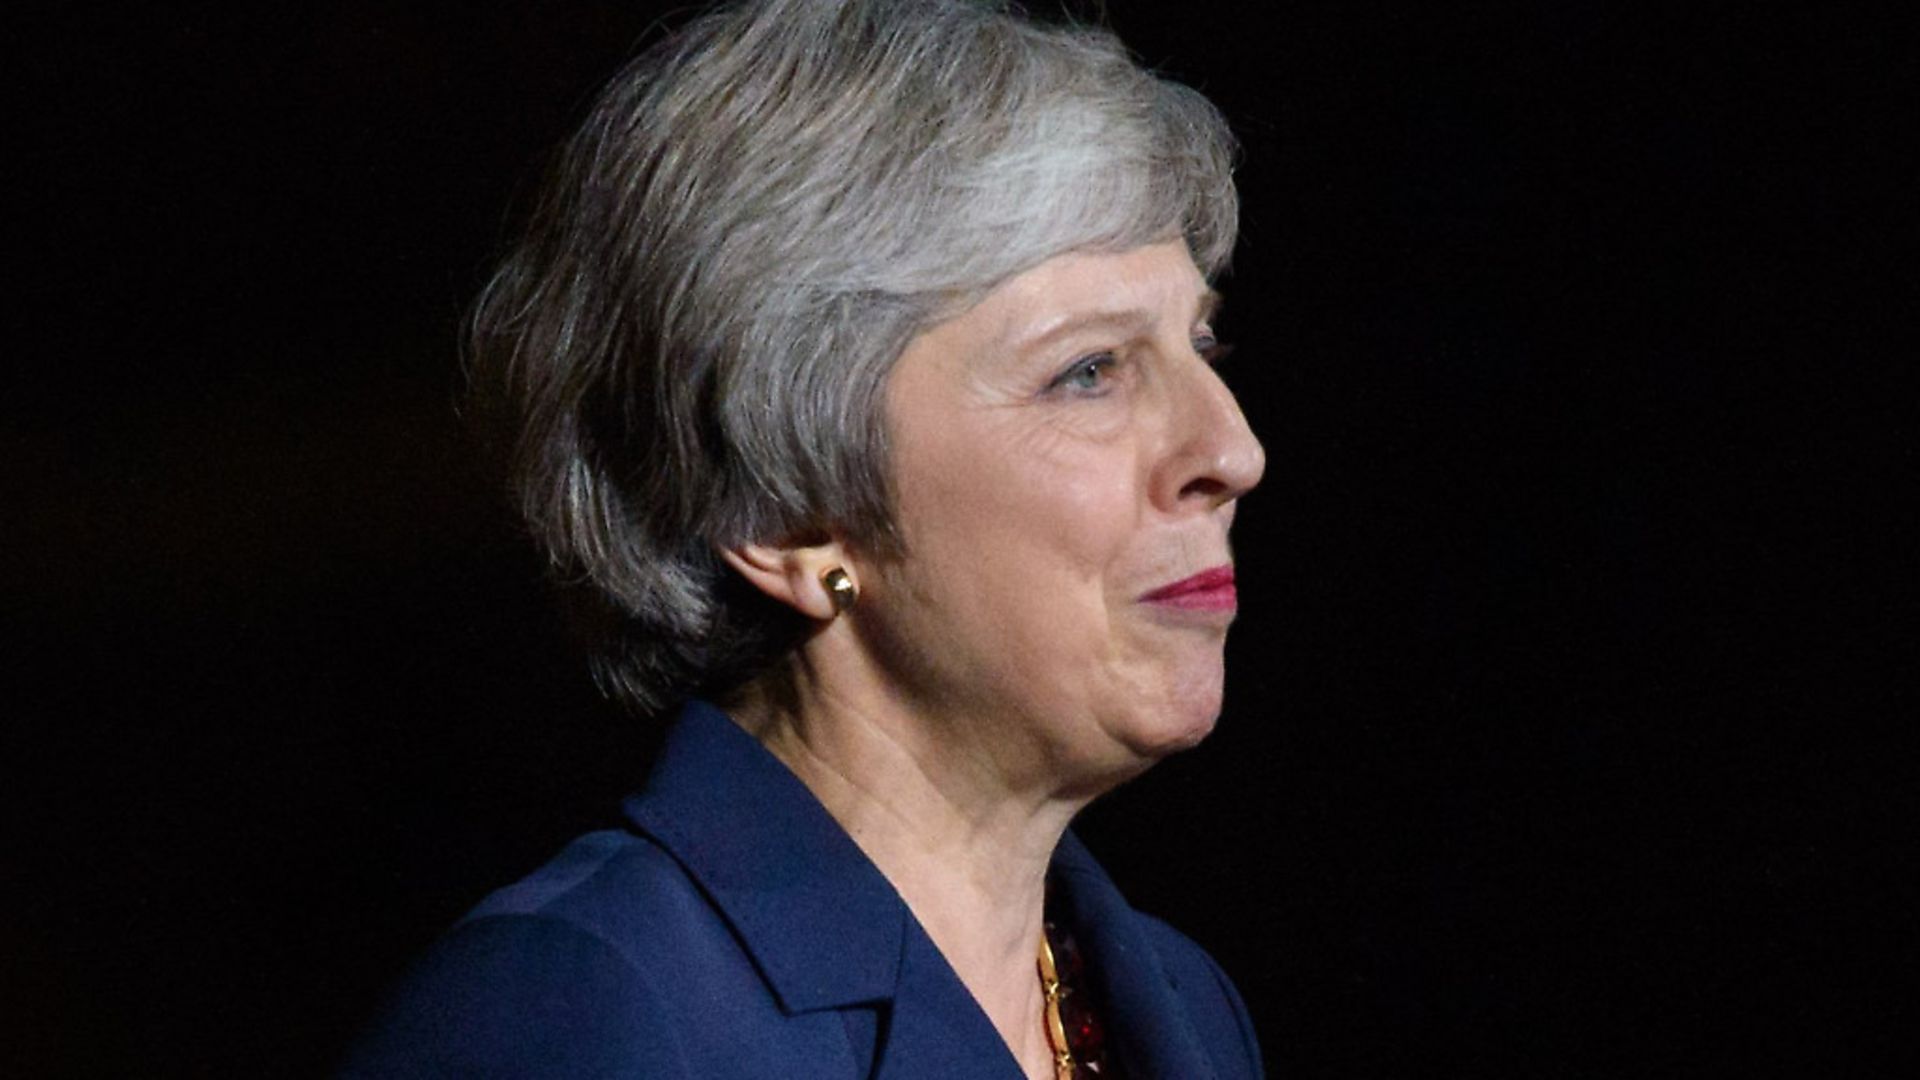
(859, 361)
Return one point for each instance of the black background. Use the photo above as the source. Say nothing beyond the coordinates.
(1560, 710)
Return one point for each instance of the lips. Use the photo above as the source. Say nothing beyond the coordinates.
(1208, 590)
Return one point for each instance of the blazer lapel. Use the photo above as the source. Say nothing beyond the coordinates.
(820, 921)
(1146, 1022)
(823, 925)
(936, 1030)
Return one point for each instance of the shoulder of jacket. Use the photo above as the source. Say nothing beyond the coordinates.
(520, 995)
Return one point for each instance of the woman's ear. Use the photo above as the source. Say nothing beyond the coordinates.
(794, 575)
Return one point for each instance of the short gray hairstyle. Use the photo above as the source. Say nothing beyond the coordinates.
(692, 337)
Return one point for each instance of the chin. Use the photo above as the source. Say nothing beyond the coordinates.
(1194, 706)
(1180, 723)
(1143, 741)
(1195, 725)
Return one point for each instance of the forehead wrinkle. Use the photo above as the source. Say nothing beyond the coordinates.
(1127, 320)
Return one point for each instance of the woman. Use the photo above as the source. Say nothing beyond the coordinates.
(860, 353)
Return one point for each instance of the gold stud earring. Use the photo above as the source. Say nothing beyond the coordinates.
(839, 585)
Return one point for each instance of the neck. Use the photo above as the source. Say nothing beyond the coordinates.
(966, 847)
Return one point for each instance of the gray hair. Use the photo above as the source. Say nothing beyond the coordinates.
(692, 337)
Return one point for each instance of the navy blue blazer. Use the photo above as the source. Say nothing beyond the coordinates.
(733, 929)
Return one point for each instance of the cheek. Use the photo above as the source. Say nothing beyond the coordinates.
(1094, 520)
(1010, 571)
(1059, 545)
(1020, 495)
(1079, 497)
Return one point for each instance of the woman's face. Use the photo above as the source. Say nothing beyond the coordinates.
(1067, 465)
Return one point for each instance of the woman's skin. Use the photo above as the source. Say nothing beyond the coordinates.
(1063, 453)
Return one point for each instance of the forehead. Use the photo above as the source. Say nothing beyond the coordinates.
(1144, 284)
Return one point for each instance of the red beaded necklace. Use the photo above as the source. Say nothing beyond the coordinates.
(1073, 1030)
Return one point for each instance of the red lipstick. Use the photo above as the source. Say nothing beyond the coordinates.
(1208, 590)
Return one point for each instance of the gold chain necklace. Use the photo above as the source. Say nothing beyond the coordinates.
(1056, 1031)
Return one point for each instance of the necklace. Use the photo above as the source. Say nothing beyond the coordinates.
(1056, 1031)
(1071, 1020)
(1074, 1032)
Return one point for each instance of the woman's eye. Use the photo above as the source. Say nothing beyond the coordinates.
(1210, 348)
(1087, 373)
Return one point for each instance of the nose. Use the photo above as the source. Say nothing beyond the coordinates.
(1213, 456)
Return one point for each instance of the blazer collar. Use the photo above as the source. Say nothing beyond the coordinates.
(822, 923)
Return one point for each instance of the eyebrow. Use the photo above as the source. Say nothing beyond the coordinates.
(1210, 302)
